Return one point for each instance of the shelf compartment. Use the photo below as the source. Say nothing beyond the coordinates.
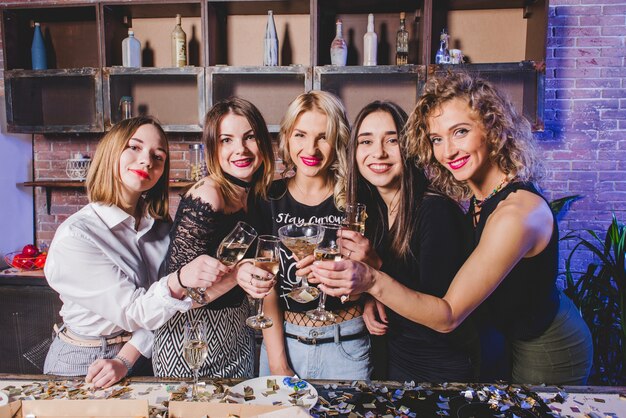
(522, 82)
(70, 34)
(153, 24)
(354, 18)
(358, 86)
(54, 100)
(271, 89)
(476, 27)
(174, 96)
(237, 28)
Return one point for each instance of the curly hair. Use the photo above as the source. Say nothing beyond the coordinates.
(508, 134)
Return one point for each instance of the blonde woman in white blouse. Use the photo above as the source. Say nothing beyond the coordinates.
(105, 260)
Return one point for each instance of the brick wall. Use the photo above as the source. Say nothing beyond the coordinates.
(584, 145)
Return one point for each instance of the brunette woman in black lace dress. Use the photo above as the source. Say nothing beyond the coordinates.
(240, 163)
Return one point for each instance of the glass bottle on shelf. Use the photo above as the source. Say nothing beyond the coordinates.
(370, 42)
(338, 48)
(197, 163)
(131, 50)
(402, 43)
(270, 49)
(38, 50)
(179, 45)
(443, 54)
(126, 107)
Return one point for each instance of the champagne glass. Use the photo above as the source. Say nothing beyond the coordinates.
(301, 240)
(230, 251)
(355, 217)
(195, 349)
(268, 258)
(327, 249)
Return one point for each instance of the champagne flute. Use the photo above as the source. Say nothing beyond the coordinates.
(327, 249)
(230, 251)
(355, 217)
(301, 240)
(268, 258)
(195, 349)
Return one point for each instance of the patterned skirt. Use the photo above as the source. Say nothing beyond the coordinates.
(230, 341)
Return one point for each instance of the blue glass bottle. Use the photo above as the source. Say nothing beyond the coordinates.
(38, 50)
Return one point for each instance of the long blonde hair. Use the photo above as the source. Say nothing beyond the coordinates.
(210, 138)
(103, 179)
(337, 133)
(508, 134)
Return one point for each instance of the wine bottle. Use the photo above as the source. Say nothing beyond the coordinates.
(270, 50)
(179, 45)
(131, 50)
(338, 48)
(370, 42)
(443, 53)
(402, 43)
(38, 50)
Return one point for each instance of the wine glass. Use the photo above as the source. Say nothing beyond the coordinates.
(301, 240)
(195, 349)
(268, 258)
(355, 217)
(327, 249)
(230, 251)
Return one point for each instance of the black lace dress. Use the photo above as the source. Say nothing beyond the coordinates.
(198, 229)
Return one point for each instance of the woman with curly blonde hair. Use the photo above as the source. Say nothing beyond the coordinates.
(472, 142)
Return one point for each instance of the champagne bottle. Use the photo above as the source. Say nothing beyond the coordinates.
(402, 43)
(338, 48)
(131, 50)
(38, 50)
(370, 42)
(270, 50)
(179, 45)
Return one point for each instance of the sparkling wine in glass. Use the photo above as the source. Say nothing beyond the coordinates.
(327, 249)
(195, 349)
(355, 217)
(267, 258)
(230, 251)
(302, 240)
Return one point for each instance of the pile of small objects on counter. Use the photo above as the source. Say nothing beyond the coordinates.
(350, 400)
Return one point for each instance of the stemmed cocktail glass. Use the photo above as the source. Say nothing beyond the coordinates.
(267, 258)
(327, 249)
(195, 349)
(302, 240)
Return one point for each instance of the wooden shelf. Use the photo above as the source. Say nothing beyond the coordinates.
(49, 185)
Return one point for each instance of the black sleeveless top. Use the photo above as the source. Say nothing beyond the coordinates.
(282, 209)
(525, 303)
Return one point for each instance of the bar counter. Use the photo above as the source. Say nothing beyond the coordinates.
(354, 399)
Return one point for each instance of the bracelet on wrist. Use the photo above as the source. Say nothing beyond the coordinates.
(180, 282)
(124, 361)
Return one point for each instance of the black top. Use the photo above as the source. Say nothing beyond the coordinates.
(439, 248)
(282, 209)
(524, 305)
(198, 229)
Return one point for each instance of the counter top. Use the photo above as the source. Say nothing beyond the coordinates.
(346, 399)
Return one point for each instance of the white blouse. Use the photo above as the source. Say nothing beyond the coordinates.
(107, 274)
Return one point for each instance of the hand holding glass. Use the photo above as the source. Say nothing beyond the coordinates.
(355, 217)
(195, 349)
(231, 250)
(267, 258)
(301, 240)
(327, 250)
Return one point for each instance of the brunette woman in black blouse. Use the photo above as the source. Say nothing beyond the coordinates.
(412, 228)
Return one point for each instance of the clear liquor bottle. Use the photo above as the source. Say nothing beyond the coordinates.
(402, 43)
(370, 42)
(179, 45)
(338, 48)
(443, 54)
(270, 50)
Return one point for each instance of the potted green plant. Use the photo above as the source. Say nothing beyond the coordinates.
(600, 294)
